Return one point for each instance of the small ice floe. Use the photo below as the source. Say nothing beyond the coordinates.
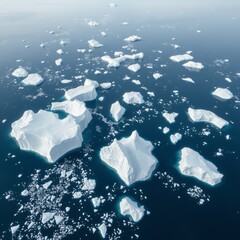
(137, 82)
(88, 184)
(14, 229)
(60, 52)
(125, 23)
(131, 158)
(63, 43)
(104, 34)
(180, 58)
(133, 38)
(106, 85)
(193, 66)
(96, 201)
(133, 98)
(228, 79)
(94, 44)
(223, 93)
(166, 130)
(93, 23)
(65, 81)
(157, 75)
(103, 230)
(117, 111)
(134, 67)
(47, 216)
(91, 82)
(58, 62)
(175, 137)
(170, 117)
(193, 164)
(131, 208)
(188, 80)
(33, 79)
(20, 73)
(201, 115)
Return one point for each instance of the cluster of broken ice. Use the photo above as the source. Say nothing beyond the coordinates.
(33, 79)
(222, 93)
(131, 208)
(193, 164)
(131, 158)
(115, 62)
(180, 58)
(133, 98)
(117, 111)
(201, 115)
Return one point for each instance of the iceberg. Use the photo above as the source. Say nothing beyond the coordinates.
(46, 216)
(193, 66)
(14, 229)
(20, 73)
(180, 58)
(201, 115)
(188, 80)
(103, 230)
(193, 164)
(75, 108)
(33, 79)
(91, 82)
(106, 85)
(132, 38)
(175, 137)
(131, 158)
(117, 111)
(58, 62)
(134, 67)
(170, 117)
(157, 75)
(133, 98)
(88, 184)
(82, 93)
(44, 133)
(94, 44)
(131, 208)
(223, 93)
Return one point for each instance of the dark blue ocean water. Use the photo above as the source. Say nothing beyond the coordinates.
(173, 213)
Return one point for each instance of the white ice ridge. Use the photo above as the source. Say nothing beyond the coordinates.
(201, 115)
(193, 66)
(180, 58)
(131, 158)
(131, 208)
(33, 79)
(82, 93)
(133, 38)
(20, 72)
(44, 133)
(133, 98)
(193, 164)
(94, 44)
(117, 111)
(170, 117)
(115, 62)
(223, 93)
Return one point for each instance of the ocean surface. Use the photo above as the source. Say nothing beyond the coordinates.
(179, 207)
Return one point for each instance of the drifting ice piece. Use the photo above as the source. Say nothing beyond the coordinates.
(131, 158)
(117, 111)
(223, 93)
(180, 58)
(193, 66)
(175, 137)
(20, 72)
(193, 164)
(82, 93)
(94, 44)
(33, 79)
(44, 133)
(170, 117)
(133, 38)
(133, 98)
(134, 67)
(200, 115)
(129, 207)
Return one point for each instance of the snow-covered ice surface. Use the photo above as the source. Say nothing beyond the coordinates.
(193, 66)
(193, 164)
(131, 158)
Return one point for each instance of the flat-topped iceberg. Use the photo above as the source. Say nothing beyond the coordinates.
(94, 44)
(170, 117)
(201, 115)
(115, 62)
(33, 79)
(133, 98)
(75, 108)
(44, 133)
(133, 38)
(134, 67)
(117, 111)
(193, 164)
(91, 82)
(193, 66)
(131, 208)
(180, 58)
(82, 93)
(222, 93)
(20, 73)
(131, 158)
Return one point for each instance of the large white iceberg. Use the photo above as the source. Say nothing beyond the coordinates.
(131, 158)
(82, 93)
(193, 66)
(117, 111)
(20, 72)
(33, 79)
(193, 164)
(180, 58)
(133, 98)
(201, 115)
(131, 208)
(44, 133)
(222, 93)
